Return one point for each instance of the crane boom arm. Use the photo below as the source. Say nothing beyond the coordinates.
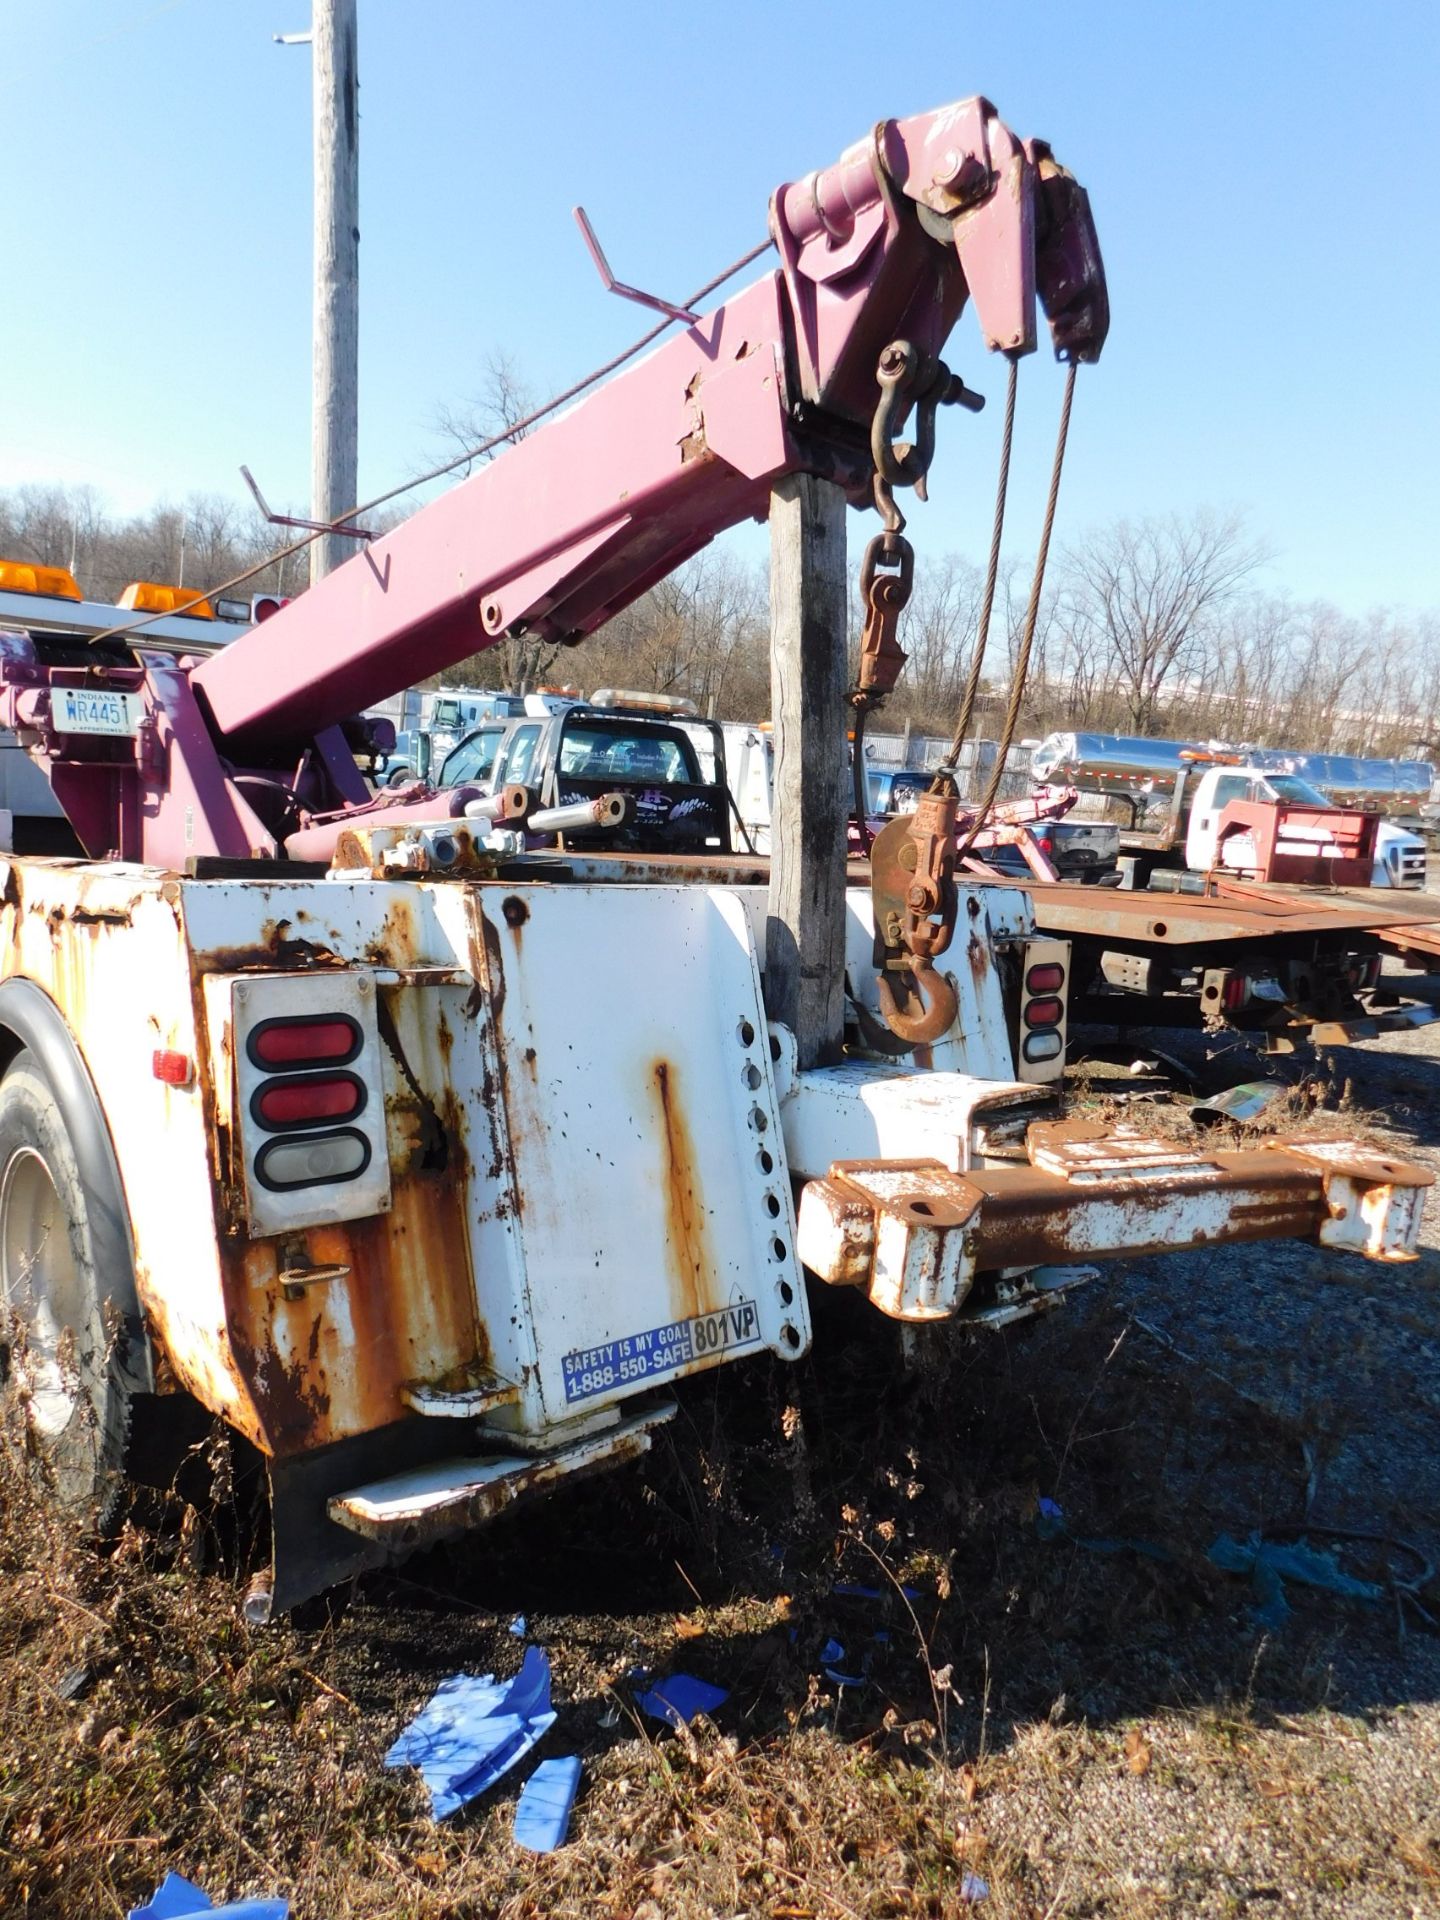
(566, 528)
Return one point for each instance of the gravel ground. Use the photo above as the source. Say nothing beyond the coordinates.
(1310, 1388)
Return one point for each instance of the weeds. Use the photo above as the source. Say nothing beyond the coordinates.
(144, 1727)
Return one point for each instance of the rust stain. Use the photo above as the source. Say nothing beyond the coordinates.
(80, 916)
(430, 1139)
(979, 958)
(331, 1361)
(330, 1358)
(274, 948)
(515, 913)
(691, 1261)
(397, 944)
(489, 976)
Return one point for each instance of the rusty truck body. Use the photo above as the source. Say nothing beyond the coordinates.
(431, 1167)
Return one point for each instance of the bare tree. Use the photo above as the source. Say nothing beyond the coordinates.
(517, 663)
(1151, 626)
(1150, 589)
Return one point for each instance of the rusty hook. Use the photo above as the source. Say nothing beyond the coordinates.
(936, 995)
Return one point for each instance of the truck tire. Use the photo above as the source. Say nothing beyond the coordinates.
(61, 1387)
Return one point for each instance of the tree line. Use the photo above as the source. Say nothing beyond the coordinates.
(1150, 626)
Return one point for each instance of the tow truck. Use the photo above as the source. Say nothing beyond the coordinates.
(430, 1168)
(653, 755)
(1285, 826)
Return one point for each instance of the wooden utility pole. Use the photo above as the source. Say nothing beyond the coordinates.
(334, 405)
(805, 927)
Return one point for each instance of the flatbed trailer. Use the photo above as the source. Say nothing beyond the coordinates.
(1289, 965)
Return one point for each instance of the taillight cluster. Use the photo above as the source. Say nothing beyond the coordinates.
(1044, 971)
(1044, 1012)
(306, 1099)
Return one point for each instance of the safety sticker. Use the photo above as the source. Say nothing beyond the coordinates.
(642, 1356)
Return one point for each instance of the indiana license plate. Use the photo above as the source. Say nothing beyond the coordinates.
(93, 710)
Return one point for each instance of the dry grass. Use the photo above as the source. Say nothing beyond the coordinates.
(1093, 1733)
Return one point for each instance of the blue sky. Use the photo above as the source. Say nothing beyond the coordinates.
(1261, 175)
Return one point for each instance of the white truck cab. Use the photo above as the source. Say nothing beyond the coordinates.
(1399, 856)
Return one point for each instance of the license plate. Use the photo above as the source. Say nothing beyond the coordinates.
(92, 710)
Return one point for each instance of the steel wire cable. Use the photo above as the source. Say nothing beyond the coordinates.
(992, 574)
(1032, 614)
(342, 520)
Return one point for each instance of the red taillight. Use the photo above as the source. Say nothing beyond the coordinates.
(1045, 844)
(1047, 978)
(306, 1099)
(1237, 992)
(1044, 1013)
(329, 1041)
(171, 1068)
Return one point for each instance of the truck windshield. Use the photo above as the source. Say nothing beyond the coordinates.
(473, 759)
(605, 750)
(1288, 786)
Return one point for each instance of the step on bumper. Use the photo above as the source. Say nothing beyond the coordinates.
(915, 1236)
(1370, 1026)
(431, 1502)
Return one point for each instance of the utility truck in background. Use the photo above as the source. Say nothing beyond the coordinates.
(1299, 819)
(430, 1167)
(1281, 928)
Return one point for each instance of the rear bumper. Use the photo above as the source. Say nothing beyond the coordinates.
(916, 1236)
(1368, 1026)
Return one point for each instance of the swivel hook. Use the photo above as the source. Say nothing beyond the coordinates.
(937, 997)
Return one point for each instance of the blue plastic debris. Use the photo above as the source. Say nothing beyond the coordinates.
(176, 1899)
(679, 1697)
(1270, 1565)
(1050, 1524)
(852, 1590)
(831, 1654)
(517, 1626)
(542, 1817)
(973, 1888)
(472, 1731)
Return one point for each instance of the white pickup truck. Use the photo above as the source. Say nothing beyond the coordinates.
(1291, 831)
(1398, 858)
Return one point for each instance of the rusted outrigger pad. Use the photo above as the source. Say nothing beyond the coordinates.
(915, 1235)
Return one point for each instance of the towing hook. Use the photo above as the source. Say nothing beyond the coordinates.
(937, 997)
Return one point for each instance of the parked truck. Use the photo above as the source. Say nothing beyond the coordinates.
(431, 1169)
(664, 763)
(1189, 808)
